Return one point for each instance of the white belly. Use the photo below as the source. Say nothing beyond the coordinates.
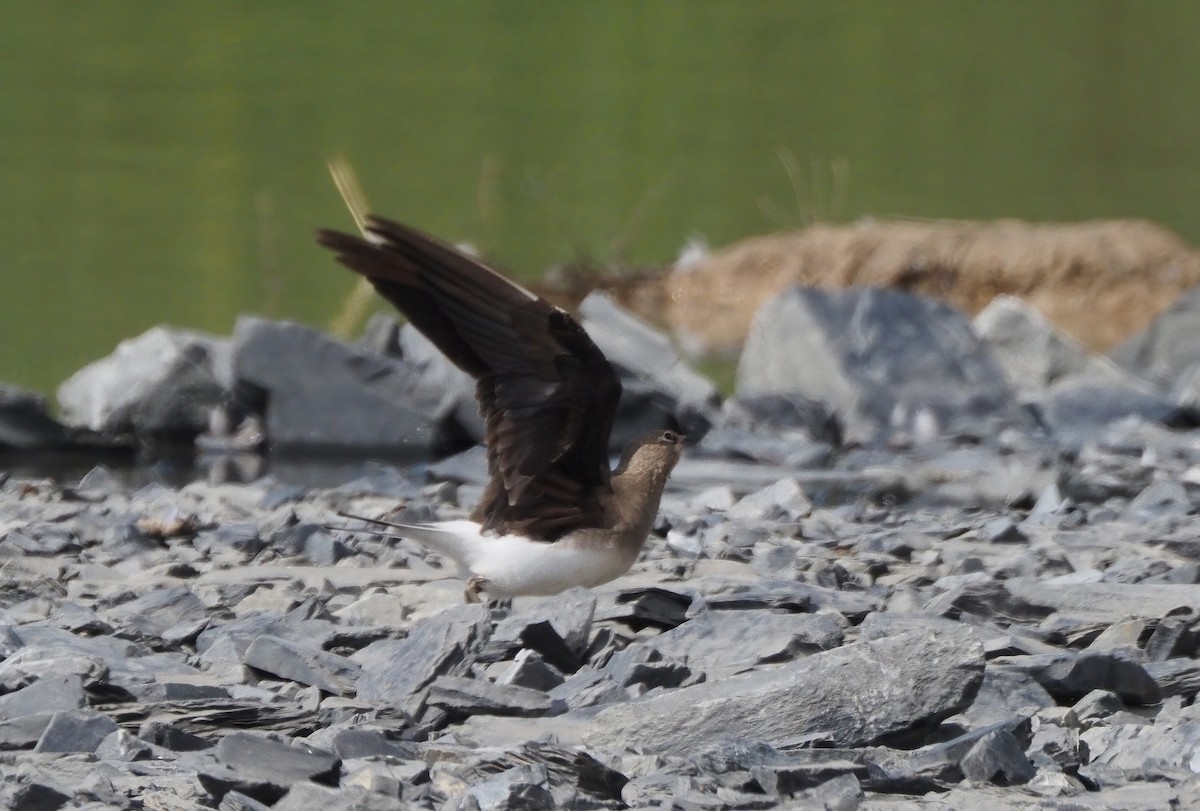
(513, 565)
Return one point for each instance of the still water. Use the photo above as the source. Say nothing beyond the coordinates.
(165, 162)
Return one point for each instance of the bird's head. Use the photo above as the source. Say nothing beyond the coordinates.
(653, 454)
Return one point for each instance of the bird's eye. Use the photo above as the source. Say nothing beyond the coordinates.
(670, 437)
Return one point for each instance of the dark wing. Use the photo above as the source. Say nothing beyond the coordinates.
(546, 392)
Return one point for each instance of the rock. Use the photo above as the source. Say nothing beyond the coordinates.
(323, 393)
(1176, 677)
(850, 696)
(516, 789)
(170, 737)
(395, 672)
(1075, 409)
(304, 664)
(1167, 349)
(782, 501)
(997, 758)
(438, 374)
(1033, 352)
(165, 381)
(462, 697)
(47, 694)
(33, 797)
(649, 366)
(1069, 676)
(153, 613)
(883, 360)
(641, 607)
(530, 670)
(25, 422)
(723, 643)
(78, 730)
(263, 768)
(308, 796)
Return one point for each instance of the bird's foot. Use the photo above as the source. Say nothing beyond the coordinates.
(475, 586)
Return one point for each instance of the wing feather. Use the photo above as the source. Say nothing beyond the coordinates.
(546, 392)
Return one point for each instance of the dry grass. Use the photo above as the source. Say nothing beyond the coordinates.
(1099, 281)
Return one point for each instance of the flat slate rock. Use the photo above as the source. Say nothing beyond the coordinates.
(395, 672)
(263, 768)
(462, 697)
(722, 643)
(849, 696)
(80, 730)
(304, 664)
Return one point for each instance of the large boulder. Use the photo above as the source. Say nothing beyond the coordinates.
(163, 382)
(1072, 392)
(320, 393)
(853, 695)
(24, 421)
(883, 360)
(386, 336)
(1034, 353)
(659, 386)
(1167, 350)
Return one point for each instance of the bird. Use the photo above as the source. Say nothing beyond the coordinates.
(553, 514)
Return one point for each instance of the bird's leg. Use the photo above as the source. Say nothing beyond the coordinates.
(475, 585)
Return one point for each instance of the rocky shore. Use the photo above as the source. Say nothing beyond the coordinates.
(914, 562)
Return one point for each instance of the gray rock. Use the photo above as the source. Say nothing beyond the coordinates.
(530, 670)
(934, 766)
(462, 697)
(236, 801)
(395, 672)
(1107, 602)
(1076, 409)
(242, 537)
(1033, 352)
(307, 796)
(438, 374)
(1176, 677)
(41, 540)
(646, 667)
(645, 358)
(25, 422)
(33, 797)
(1138, 749)
(588, 688)
(47, 694)
(79, 730)
(165, 381)
(850, 696)
(883, 360)
(24, 732)
(784, 500)
(304, 664)
(155, 612)
(170, 737)
(323, 393)
(1070, 676)
(998, 758)
(1167, 349)
(722, 643)
(366, 742)
(261, 767)
(322, 549)
(515, 789)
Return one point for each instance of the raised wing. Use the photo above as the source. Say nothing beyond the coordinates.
(546, 392)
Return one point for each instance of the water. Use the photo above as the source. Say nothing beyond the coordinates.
(165, 162)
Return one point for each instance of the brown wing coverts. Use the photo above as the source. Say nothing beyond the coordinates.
(546, 392)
